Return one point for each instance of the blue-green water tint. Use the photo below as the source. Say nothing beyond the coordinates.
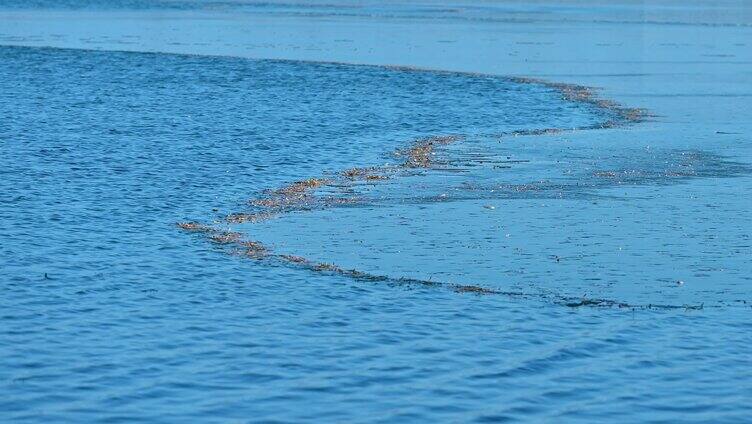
(110, 313)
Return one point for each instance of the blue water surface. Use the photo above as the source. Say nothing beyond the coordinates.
(109, 310)
(110, 313)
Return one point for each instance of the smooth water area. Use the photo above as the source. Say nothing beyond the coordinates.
(110, 312)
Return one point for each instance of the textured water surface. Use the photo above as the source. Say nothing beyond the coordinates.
(721, 13)
(111, 312)
(102, 153)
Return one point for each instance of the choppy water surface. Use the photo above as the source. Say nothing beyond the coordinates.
(109, 311)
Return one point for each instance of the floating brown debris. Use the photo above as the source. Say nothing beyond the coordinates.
(583, 94)
(571, 92)
(473, 289)
(419, 156)
(294, 259)
(634, 114)
(356, 172)
(194, 226)
(368, 174)
(265, 203)
(291, 195)
(330, 268)
(302, 186)
(440, 140)
(281, 200)
(595, 302)
(541, 131)
(326, 267)
(239, 218)
(225, 237)
(253, 249)
(421, 152)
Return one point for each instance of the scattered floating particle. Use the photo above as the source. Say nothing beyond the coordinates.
(194, 226)
(239, 218)
(376, 177)
(226, 237)
(294, 259)
(473, 289)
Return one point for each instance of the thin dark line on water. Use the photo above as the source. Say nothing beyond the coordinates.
(233, 243)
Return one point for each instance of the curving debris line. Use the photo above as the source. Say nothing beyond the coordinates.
(420, 154)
